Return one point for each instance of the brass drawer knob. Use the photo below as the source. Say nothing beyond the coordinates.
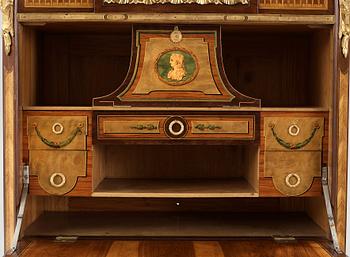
(293, 130)
(57, 180)
(57, 128)
(176, 127)
(293, 180)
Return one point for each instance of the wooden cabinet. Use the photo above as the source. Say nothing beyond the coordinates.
(230, 113)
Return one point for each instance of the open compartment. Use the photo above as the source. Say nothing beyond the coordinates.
(175, 217)
(69, 65)
(175, 171)
(173, 187)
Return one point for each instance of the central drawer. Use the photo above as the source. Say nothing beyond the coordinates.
(169, 127)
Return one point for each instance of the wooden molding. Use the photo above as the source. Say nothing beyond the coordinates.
(11, 166)
(188, 18)
(342, 170)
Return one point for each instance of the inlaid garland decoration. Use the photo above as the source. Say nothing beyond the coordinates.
(176, 67)
(144, 127)
(296, 146)
(200, 2)
(203, 127)
(75, 132)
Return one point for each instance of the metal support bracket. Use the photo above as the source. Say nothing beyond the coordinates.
(327, 200)
(22, 206)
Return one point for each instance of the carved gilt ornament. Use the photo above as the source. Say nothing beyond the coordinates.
(344, 31)
(201, 2)
(7, 24)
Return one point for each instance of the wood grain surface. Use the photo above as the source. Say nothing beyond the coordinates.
(205, 224)
(11, 163)
(125, 93)
(83, 186)
(266, 187)
(232, 248)
(48, 127)
(228, 127)
(182, 188)
(342, 161)
(98, 56)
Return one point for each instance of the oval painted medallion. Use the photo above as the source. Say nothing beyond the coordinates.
(176, 67)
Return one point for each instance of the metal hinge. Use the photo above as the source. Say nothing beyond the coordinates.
(66, 239)
(21, 209)
(284, 239)
(329, 210)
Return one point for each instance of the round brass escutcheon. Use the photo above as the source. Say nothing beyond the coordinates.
(293, 130)
(57, 128)
(176, 35)
(57, 180)
(175, 127)
(293, 180)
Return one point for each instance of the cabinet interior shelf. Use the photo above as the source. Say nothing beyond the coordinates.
(187, 188)
(180, 225)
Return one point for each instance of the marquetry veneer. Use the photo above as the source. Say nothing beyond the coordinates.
(249, 132)
(59, 152)
(165, 127)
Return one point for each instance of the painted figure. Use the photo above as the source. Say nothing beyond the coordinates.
(178, 71)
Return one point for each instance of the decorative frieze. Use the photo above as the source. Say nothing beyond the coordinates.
(294, 4)
(58, 3)
(201, 2)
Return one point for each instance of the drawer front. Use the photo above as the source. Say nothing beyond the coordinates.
(57, 170)
(293, 172)
(239, 127)
(57, 132)
(293, 133)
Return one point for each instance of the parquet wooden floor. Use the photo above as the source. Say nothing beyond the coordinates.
(169, 248)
